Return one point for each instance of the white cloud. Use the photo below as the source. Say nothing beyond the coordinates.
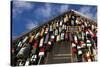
(47, 10)
(64, 8)
(44, 11)
(16, 12)
(86, 11)
(23, 4)
(95, 16)
(30, 25)
(20, 6)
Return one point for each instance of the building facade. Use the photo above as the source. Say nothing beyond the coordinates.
(70, 37)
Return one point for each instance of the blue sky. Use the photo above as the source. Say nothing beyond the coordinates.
(27, 15)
